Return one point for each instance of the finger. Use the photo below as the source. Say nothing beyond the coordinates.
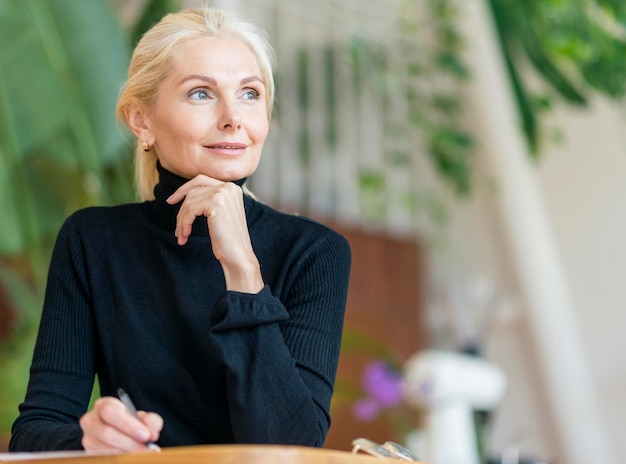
(115, 414)
(183, 190)
(188, 212)
(197, 203)
(184, 223)
(180, 193)
(98, 434)
(153, 421)
(175, 197)
(91, 443)
(109, 439)
(92, 428)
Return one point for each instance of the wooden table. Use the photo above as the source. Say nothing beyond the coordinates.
(221, 454)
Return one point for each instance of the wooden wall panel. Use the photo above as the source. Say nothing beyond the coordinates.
(384, 303)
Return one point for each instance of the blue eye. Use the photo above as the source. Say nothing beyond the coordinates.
(198, 94)
(251, 94)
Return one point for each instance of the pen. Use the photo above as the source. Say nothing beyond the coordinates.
(125, 399)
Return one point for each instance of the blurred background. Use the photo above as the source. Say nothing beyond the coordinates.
(472, 151)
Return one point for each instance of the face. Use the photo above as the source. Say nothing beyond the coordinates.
(210, 116)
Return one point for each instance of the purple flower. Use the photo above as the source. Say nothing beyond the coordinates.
(366, 409)
(382, 383)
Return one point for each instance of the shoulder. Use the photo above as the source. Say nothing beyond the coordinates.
(99, 215)
(96, 220)
(299, 230)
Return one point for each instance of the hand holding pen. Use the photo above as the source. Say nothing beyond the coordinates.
(114, 425)
(124, 398)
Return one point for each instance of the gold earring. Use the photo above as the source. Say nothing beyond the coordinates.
(145, 146)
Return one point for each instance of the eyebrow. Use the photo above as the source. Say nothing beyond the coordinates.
(213, 81)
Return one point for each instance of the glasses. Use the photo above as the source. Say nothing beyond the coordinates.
(389, 449)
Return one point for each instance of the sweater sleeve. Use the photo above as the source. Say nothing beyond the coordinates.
(62, 370)
(281, 355)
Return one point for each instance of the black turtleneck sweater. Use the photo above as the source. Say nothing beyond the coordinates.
(126, 303)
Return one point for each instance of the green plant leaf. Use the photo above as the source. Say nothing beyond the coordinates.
(59, 82)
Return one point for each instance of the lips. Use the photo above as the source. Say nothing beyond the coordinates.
(227, 146)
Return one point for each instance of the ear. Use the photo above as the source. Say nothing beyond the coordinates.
(139, 123)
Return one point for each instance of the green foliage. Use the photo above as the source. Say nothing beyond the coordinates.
(153, 12)
(435, 101)
(58, 89)
(58, 142)
(575, 46)
(435, 73)
(354, 341)
(15, 354)
(422, 67)
(61, 68)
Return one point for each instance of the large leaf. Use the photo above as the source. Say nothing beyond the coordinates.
(576, 46)
(59, 81)
(98, 52)
(64, 69)
(61, 66)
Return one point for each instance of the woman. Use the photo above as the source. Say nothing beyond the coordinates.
(220, 316)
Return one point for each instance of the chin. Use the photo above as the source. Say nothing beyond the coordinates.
(232, 175)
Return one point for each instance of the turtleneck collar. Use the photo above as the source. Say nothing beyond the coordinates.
(165, 214)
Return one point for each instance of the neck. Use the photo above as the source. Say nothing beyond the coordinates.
(166, 213)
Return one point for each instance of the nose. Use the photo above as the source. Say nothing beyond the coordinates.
(230, 117)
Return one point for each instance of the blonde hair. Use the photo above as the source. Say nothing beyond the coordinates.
(151, 63)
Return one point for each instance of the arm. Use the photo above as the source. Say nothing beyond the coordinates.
(281, 356)
(62, 370)
(53, 415)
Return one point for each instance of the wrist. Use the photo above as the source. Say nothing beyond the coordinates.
(244, 278)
